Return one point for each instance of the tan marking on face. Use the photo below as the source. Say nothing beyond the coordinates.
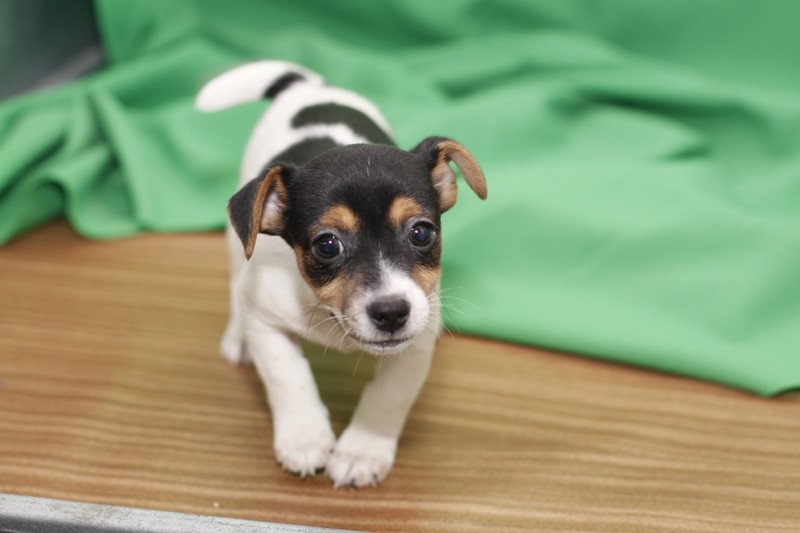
(334, 293)
(339, 217)
(426, 277)
(402, 209)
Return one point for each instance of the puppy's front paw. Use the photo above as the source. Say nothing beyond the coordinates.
(304, 449)
(361, 458)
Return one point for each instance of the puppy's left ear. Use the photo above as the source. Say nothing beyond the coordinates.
(438, 152)
(260, 207)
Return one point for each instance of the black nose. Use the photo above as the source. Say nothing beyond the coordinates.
(389, 314)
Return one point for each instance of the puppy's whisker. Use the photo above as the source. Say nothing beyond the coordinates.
(338, 347)
(446, 289)
(311, 318)
(341, 341)
(435, 325)
(446, 307)
(346, 330)
(328, 343)
(450, 298)
(446, 293)
(360, 355)
(449, 307)
(310, 312)
(444, 303)
(324, 321)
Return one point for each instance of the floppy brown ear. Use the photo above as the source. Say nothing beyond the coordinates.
(259, 207)
(438, 153)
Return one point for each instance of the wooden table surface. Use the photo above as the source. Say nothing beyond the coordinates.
(112, 391)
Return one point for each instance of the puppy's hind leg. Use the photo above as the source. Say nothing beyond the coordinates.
(303, 438)
(232, 344)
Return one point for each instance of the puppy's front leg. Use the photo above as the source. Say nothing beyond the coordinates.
(365, 452)
(303, 438)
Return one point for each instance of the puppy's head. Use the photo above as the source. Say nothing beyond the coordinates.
(364, 223)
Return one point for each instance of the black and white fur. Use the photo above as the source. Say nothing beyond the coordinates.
(342, 233)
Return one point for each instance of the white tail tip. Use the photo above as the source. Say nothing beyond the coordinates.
(248, 83)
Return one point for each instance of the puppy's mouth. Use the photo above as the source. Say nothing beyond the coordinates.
(383, 347)
(375, 346)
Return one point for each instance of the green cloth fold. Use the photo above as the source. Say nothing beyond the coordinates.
(643, 158)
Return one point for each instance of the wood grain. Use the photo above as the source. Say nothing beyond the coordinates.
(112, 391)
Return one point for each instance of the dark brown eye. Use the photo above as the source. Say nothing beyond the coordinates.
(327, 247)
(422, 234)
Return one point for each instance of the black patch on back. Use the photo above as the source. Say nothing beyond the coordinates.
(282, 83)
(331, 113)
(301, 153)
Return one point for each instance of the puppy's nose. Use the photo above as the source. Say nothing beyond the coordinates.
(389, 314)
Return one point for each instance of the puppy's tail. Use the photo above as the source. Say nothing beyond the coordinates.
(251, 82)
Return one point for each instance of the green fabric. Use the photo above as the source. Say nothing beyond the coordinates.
(643, 158)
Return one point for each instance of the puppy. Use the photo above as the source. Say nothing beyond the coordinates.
(342, 233)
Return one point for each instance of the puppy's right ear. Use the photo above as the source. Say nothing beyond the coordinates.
(260, 207)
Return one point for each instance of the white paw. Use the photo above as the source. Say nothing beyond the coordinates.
(304, 449)
(361, 458)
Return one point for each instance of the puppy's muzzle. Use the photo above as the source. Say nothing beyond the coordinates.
(389, 314)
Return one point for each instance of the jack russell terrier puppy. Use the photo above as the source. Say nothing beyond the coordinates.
(342, 233)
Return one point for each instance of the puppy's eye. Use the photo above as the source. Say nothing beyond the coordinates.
(327, 247)
(422, 234)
